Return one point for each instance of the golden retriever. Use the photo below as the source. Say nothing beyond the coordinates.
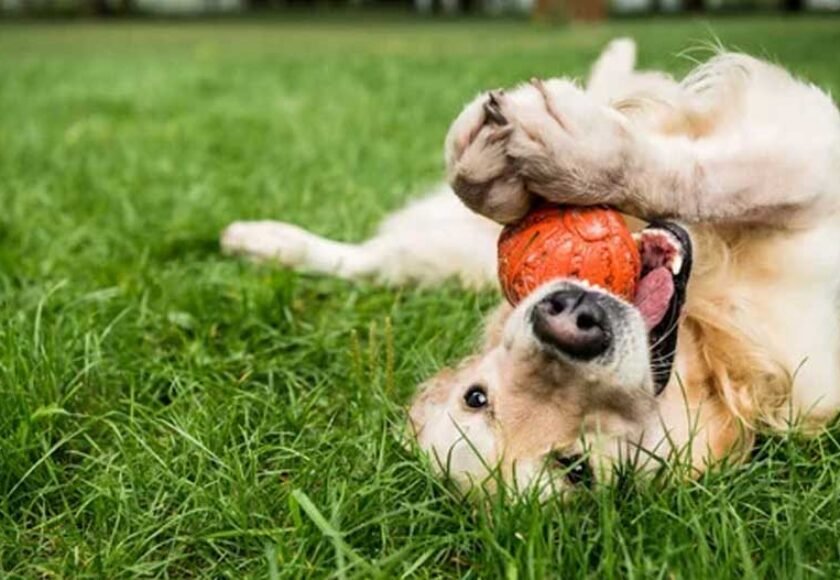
(736, 171)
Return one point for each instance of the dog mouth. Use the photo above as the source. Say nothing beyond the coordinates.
(666, 254)
(576, 322)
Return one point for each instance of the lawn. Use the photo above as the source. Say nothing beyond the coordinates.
(167, 411)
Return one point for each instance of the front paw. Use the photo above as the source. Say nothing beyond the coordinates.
(544, 138)
(478, 168)
(565, 146)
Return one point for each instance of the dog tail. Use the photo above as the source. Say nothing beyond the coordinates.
(612, 69)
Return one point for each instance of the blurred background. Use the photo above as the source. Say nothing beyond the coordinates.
(539, 9)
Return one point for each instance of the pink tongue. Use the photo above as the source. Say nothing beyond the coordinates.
(654, 294)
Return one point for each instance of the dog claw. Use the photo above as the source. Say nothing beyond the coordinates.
(493, 110)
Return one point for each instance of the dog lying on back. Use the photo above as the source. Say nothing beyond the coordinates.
(740, 159)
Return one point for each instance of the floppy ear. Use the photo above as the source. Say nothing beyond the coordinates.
(494, 325)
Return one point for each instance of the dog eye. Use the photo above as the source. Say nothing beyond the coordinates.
(476, 397)
(577, 468)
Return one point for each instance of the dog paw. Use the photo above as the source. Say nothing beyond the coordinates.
(266, 240)
(566, 147)
(545, 138)
(477, 165)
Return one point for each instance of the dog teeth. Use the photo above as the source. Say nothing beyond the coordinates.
(675, 263)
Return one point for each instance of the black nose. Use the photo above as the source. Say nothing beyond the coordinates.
(574, 322)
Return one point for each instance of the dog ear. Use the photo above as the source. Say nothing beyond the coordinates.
(494, 325)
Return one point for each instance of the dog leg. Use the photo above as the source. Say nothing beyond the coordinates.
(610, 74)
(765, 156)
(298, 249)
(429, 241)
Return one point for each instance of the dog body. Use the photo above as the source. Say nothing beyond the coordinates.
(743, 155)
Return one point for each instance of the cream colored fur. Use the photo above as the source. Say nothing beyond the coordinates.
(741, 152)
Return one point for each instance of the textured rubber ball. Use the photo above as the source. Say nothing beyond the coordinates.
(586, 243)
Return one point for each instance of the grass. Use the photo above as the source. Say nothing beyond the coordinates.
(165, 411)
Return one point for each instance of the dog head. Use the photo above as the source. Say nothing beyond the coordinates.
(566, 381)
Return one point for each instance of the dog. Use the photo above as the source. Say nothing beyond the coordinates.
(731, 178)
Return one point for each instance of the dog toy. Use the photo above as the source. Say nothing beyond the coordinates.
(587, 243)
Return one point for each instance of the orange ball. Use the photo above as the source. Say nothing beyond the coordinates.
(587, 243)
